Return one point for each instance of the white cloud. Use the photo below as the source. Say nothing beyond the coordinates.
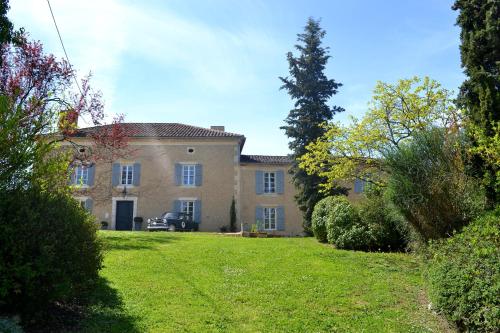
(98, 34)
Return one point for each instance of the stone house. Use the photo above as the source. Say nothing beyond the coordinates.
(177, 167)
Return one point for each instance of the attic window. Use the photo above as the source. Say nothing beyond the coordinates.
(190, 150)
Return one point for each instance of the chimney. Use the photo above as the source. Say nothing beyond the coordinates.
(217, 128)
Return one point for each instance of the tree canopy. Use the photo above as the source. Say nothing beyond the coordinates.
(395, 113)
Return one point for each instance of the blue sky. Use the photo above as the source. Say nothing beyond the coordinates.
(217, 62)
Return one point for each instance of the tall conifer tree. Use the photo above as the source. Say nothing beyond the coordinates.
(480, 93)
(5, 24)
(311, 90)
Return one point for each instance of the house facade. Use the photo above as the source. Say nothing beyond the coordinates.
(182, 168)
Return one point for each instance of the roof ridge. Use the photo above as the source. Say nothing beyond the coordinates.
(179, 130)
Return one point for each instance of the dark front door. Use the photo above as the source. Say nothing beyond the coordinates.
(124, 215)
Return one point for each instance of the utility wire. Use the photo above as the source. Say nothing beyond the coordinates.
(64, 49)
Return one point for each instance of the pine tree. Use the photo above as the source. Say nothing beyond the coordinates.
(5, 24)
(480, 93)
(311, 90)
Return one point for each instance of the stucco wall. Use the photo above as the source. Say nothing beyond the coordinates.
(157, 190)
(249, 198)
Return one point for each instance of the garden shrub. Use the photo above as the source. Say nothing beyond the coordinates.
(373, 225)
(49, 250)
(387, 229)
(464, 275)
(429, 184)
(321, 214)
(343, 226)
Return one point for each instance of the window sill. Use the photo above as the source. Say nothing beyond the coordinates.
(80, 187)
(188, 186)
(122, 186)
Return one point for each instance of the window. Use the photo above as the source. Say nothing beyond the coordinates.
(359, 185)
(269, 182)
(269, 218)
(81, 175)
(127, 174)
(187, 207)
(188, 175)
(190, 150)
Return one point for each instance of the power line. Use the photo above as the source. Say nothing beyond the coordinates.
(62, 44)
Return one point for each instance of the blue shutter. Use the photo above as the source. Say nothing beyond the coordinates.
(259, 182)
(177, 206)
(116, 174)
(91, 175)
(259, 217)
(198, 173)
(280, 182)
(197, 211)
(137, 174)
(178, 174)
(89, 204)
(359, 185)
(280, 218)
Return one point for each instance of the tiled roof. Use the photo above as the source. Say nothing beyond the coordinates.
(265, 159)
(162, 130)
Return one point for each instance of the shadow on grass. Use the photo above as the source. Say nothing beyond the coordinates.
(102, 312)
(105, 312)
(136, 240)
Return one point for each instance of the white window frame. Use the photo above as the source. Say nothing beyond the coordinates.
(82, 175)
(270, 218)
(128, 168)
(269, 182)
(188, 179)
(186, 206)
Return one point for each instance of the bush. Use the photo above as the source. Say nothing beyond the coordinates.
(374, 225)
(343, 227)
(387, 229)
(429, 184)
(321, 215)
(49, 250)
(464, 275)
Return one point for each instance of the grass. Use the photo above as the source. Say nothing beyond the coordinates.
(197, 282)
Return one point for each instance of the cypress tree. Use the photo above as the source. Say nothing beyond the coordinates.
(5, 24)
(311, 90)
(479, 94)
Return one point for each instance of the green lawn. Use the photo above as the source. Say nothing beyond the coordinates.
(197, 282)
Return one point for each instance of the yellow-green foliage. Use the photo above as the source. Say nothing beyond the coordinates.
(395, 112)
(488, 148)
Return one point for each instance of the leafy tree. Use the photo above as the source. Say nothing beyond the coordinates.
(480, 93)
(396, 112)
(311, 90)
(49, 252)
(35, 100)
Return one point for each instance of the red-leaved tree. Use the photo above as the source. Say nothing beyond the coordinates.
(39, 110)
